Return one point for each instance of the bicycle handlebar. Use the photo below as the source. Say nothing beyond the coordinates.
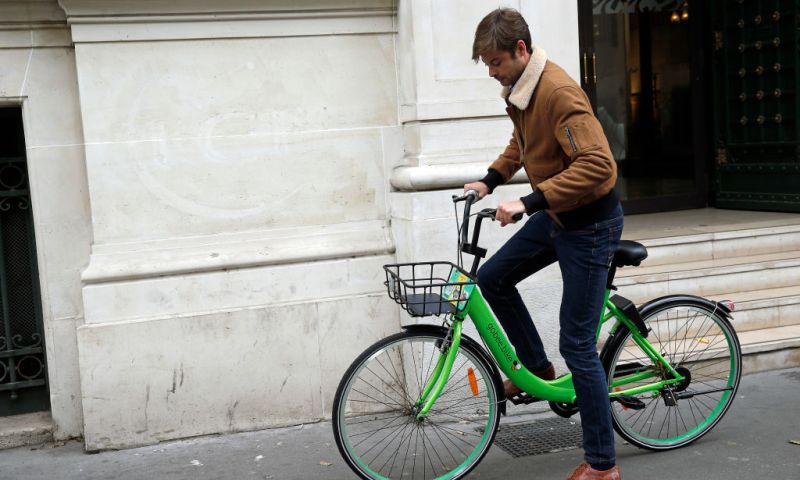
(469, 198)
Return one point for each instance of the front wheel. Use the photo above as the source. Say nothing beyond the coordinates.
(696, 338)
(374, 411)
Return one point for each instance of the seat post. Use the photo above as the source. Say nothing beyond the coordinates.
(610, 280)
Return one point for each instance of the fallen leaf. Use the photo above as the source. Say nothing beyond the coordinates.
(259, 457)
(196, 463)
(325, 464)
(794, 442)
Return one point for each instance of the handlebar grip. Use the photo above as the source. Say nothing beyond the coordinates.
(468, 194)
(517, 217)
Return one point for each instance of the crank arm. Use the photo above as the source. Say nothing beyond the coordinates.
(687, 394)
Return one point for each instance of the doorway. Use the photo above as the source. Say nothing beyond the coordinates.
(23, 372)
(642, 67)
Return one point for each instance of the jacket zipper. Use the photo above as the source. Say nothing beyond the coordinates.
(571, 140)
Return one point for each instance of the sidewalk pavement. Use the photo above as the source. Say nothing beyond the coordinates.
(753, 441)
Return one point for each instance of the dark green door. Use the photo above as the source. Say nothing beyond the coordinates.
(23, 375)
(756, 104)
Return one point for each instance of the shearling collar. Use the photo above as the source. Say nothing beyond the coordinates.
(523, 89)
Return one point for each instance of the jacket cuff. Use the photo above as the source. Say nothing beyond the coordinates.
(493, 179)
(534, 202)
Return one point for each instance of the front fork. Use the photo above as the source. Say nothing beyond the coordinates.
(441, 372)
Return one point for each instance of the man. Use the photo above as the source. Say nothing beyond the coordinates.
(575, 219)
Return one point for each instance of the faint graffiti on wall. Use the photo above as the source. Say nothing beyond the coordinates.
(601, 7)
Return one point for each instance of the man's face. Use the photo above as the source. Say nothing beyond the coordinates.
(504, 67)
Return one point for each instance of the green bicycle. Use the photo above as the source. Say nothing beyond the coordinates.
(426, 403)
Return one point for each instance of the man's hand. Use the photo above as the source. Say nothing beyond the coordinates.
(479, 187)
(506, 212)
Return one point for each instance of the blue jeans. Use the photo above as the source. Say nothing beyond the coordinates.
(584, 256)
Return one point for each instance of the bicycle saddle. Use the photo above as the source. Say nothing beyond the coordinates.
(629, 253)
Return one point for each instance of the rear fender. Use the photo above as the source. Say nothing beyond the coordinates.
(656, 304)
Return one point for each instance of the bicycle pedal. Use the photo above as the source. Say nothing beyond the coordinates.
(523, 399)
(630, 402)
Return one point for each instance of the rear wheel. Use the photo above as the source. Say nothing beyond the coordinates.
(697, 339)
(374, 415)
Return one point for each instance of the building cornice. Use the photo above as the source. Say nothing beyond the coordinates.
(149, 20)
(32, 24)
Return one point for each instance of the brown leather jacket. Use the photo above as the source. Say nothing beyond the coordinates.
(557, 138)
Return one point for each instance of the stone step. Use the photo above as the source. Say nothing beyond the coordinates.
(27, 429)
(758, 309)
(750, 258)
(710, 278)
(717, 245)
(770, 348)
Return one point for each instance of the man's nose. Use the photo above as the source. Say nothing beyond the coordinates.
(492, 72)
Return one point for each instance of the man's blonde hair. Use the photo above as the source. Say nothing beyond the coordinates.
(500, 30)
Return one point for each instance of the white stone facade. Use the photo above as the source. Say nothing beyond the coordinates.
(216, 186)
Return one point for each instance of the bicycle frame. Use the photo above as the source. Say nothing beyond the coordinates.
(558, 390)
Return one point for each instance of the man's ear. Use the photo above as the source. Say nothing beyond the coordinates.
(521, 49)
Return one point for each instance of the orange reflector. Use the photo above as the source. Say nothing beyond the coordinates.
(619, 389)
(473, 382)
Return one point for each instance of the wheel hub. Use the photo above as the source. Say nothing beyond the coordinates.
(687, 379)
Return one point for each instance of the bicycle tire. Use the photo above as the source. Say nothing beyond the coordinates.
(453, 438)
(695, 336)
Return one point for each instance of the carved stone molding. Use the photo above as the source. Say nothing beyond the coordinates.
(27, 13)
(146, 20)
(118, 262)
(32, 23)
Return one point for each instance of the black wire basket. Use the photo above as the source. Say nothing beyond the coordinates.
(429, 288)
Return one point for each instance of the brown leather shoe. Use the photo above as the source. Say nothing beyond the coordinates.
(586, 472)
(512, 390)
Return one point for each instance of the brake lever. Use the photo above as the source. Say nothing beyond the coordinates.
(492, 213)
